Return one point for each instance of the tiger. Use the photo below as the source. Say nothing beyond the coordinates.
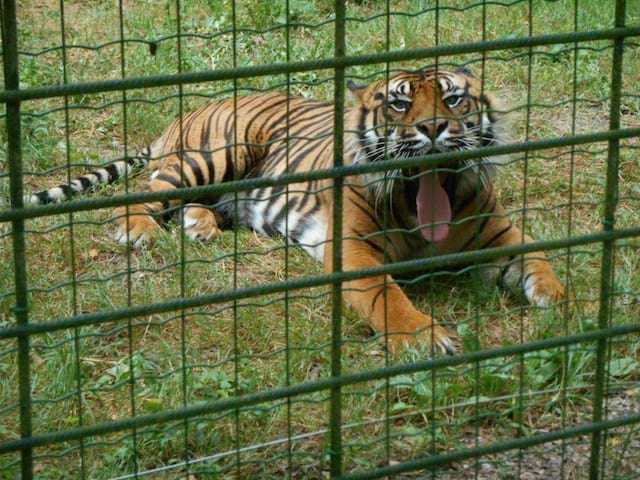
(429, 211)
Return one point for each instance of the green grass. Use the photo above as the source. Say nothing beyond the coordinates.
(432, 411)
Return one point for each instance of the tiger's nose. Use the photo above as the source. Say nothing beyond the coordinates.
(433, 128)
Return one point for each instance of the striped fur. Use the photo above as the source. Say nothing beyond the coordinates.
(412, 114)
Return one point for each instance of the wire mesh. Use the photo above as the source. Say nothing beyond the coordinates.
(239, 358)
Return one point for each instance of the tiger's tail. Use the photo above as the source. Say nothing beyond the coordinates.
(90, 181)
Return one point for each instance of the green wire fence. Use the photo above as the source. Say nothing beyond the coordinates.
(108, 361)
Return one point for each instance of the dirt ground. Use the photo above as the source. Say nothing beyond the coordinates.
(548, 461)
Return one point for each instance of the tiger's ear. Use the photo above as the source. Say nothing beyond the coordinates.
(465, 71)
(357, 89)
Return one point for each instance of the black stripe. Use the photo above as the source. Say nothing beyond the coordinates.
(291, 204)
(317, 148)
(303, 224)
(257, 114)
(486, 202)
(229, 173)
(307, 196)
(112, 170)
(205, 134)
(169, 134)
(85, 182)
(205, 141)
(362, 126)
(470, 198)
(504, 269)
(195, 168)
(318, 118)
(211, 168)
(359, 195)
(313, 210)
(163, 177)
(376, 297)
(369, 242)
(480, 227)
(187, 122)
(371, 216)
(268, 229)
(496, 236)
(66, 189)
(297, 159)
(293, 164)
(303, 107)
(527, 277)
(298, 144)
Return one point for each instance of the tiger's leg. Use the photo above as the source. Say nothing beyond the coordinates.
(136, 225)
(199, 222)
(378, 298)
(529, 274)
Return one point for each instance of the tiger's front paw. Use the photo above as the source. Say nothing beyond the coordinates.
(426, 334)
(200, 223)
(137, 228)
(543, 290)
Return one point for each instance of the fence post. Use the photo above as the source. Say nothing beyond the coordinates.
(14, 157)
(335, 408)
(608, 246)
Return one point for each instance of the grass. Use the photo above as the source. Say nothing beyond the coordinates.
(162, 362)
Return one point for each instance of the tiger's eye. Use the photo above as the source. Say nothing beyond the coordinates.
(453, 100)
(400, 105)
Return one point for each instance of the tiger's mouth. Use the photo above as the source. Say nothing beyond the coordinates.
(433, 206)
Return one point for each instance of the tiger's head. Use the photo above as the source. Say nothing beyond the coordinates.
(417, 114)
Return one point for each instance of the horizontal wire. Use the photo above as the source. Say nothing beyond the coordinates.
(13, 96)
(323, 431)
(312, 281)
(341, 381)
(277, 26)
(433, 160)
(496, 447)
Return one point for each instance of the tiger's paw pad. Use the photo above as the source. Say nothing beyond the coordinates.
(136, 229)
(543, 291)
(200, 224)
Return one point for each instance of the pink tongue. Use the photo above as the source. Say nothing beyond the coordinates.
(433, 206)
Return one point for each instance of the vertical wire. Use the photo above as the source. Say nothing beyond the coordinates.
(608, 247)
(432, 346)
(525, 184)
(14, 160)
(610, 306)
(335, 407)
(286, 247)
(236, 353)
(385, 259)
(183, 320)
(479, 188)
(132, 379)
(74, 286)
(607, 376)
(565, 326)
